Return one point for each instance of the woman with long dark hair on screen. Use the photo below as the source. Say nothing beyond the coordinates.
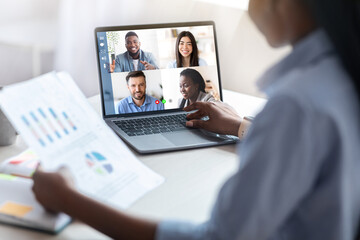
(186, 52)
(299, 174)
(192, 88)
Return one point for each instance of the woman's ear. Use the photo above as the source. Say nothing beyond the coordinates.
(197, 87)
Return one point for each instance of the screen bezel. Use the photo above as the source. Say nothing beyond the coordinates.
(151, 26)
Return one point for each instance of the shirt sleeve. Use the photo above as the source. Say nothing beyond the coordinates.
(209, 98)
(171, 64)
(121, 106)
(275, 173)
(117, 64)
(202, 62)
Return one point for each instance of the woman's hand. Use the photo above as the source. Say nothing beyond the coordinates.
(223, 119)
(56, 193)
(52, 189)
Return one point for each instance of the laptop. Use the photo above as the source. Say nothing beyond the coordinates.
(144, 86)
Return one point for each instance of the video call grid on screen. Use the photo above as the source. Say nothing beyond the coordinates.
(157, 44)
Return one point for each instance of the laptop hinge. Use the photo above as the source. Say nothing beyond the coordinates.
(114, 118)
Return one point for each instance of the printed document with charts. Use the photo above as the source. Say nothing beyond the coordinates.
(56, 121)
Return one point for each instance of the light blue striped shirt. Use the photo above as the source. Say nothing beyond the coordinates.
(300, 171)
(127, 105)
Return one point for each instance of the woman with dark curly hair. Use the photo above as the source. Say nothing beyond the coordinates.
(192, 87)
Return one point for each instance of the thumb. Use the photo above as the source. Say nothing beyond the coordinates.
(113, 63)
(38, 169)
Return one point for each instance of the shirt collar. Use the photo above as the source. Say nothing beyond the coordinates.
(305, 52)
(130, 58)
(147, 100)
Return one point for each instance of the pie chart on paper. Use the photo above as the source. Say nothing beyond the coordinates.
(98, 163)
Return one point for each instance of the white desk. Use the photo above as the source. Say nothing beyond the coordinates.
(193, 179)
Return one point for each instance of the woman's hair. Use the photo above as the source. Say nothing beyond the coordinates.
(194, 57)
(195, 76)
(341, 21)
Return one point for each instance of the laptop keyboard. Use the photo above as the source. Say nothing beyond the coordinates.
(153, 125)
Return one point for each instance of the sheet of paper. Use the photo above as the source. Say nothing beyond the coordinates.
(57, 122)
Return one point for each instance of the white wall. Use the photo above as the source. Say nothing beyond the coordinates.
(21, 23)
(25, 10)
(243, 52)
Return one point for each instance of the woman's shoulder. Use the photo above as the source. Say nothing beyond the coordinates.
(202, 62)
(182, 102)
(205, 97)
(172, 64)
(324, 85)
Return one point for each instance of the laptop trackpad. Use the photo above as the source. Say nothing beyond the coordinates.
(188, 138)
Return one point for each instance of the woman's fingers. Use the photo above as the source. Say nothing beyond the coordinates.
(199, 124)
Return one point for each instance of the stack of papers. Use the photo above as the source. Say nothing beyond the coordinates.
(18, 206)
(57, 122)
(22, 165)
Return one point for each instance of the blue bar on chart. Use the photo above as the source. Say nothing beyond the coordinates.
(58, 121)
(41, 126)
(33, 131)
(69, 121)
(49, 123)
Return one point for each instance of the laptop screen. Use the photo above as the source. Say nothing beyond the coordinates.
(157, 68)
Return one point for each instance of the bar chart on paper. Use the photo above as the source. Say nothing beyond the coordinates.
(98, 163)
(57, 122)
(47, 125)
